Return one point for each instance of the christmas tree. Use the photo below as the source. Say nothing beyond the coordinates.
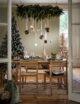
(3, 48)
(17, 51)
(17, 48)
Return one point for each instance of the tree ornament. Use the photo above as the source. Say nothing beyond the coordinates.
(45, 41)
(41, 36)
(26, 31)
(27, 27)
(31, 27)
(47, 29)
(32, 23)
(47, 24)
(45, 37)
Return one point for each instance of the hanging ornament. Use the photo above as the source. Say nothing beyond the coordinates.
(32, 23)
(47, 29)
(27, 27)
(35, 44)
(45, 41)
(47, 25)
(32, 27)
(26, 31)
(41, 36)
(45, 38)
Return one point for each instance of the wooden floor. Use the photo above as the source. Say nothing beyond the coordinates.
(46, 100)
(55, 98)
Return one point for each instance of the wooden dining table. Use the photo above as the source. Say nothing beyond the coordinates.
(40, 62)
(42, 65)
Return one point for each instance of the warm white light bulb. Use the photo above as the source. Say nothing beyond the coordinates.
(35, 44)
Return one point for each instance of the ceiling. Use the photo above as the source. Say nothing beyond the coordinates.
(40, 1)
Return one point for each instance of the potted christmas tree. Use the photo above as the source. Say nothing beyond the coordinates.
(17, 53)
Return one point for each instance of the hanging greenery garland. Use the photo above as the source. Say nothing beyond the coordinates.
(38, 12)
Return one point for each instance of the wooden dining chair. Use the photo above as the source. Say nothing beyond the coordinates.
(58, 70)
(15, 70)
(1, 79)
(43, 66)
(30, 70)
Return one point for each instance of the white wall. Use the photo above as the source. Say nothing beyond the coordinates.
(33, 37)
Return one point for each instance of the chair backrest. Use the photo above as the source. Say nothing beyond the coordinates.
(29, 64)
(58, 65)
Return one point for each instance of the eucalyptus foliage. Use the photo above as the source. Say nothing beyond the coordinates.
(38, 12)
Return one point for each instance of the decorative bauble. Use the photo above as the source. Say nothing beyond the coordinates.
(26, 31)
(31, 27)
(45, 41)
(41, 36)
(47, 29)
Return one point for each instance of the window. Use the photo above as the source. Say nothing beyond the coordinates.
(64, 33)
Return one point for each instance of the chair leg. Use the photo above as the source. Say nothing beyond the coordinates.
(44, 80)
(37, 81)
(65, 82)
(59, 82)
(22, 82)
(51, 85)
(24, 79)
